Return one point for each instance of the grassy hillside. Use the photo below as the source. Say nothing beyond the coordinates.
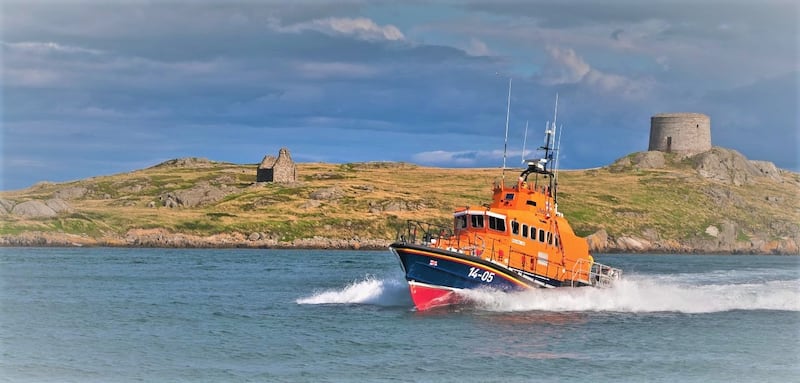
(371, 200)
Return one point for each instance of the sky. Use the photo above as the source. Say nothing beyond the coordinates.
(102, 87)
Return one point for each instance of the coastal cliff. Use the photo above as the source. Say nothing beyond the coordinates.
(713, 202)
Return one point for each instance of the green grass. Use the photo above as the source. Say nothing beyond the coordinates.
(202, 227)
(673, 201)
(216, 216)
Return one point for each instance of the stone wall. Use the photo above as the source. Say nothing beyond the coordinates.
(284, 170)
(264, 172)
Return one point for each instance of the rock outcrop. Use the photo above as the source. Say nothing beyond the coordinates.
(394, 205)
(187, 162)
(725, 165)
(6, 205)
(72, 192)
(768, 169)
(718, 238)
(640, 160)
(327, 194)
(33, 209)
(58, 205)
(199, 195)
(41, 209)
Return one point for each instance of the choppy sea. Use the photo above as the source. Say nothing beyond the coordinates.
(167, 315)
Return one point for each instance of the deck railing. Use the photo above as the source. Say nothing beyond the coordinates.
(442, 237)
(423, 233)
(595, 274)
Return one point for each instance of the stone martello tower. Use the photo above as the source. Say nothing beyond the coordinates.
(281, 169)
(683, 133)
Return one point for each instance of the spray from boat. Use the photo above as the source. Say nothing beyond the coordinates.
(689, 294)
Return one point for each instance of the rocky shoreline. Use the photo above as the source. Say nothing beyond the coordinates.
(160, 238)
(599, 242)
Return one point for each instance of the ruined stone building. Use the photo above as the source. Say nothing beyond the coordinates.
(684, 133)
(281, 169)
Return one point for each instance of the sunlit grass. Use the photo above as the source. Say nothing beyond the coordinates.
(675, 202)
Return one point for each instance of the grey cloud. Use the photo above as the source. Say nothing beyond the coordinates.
(761, 119)
(700, 14)
(144, 73)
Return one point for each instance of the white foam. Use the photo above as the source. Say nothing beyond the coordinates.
(684, 293)
(639, 294)
(370, 290)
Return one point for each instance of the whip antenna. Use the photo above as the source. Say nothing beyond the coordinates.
(524, 141)
(505, 144)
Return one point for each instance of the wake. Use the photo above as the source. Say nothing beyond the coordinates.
(370, 291)
(644, 295)
(632, 294)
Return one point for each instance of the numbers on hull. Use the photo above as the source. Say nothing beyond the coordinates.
(484, 275)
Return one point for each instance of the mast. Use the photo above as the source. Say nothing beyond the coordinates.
(555, 167)
(505, 144)
(550, 149)
(541, 166)
(550, 132)
(524, 141)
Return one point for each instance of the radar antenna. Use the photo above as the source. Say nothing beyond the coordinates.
(542, 165)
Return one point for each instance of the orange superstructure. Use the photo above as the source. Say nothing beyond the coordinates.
(523, 230)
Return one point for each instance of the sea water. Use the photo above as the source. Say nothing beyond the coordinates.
(156, 315)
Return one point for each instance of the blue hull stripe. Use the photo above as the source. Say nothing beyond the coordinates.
(449, 269)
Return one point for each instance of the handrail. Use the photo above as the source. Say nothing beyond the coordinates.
(535, 261)
(428, 234)
(598, 275)
(580, 261)
(603, 275)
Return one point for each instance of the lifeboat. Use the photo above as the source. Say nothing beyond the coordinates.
(519, 241)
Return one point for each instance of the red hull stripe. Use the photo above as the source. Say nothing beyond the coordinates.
(426, 297)
(465, 262)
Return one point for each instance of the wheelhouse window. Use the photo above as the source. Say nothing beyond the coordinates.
(541, 236)
(498, 224)
(514, 226)
(509, 196)
(461, 222)
(549, 238)
(525, 230)
(476, 221)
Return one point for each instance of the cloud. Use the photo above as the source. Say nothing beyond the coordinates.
(230, 81)
(29, 77)
(361, 28)
(565, 67)
(760, 119)
(477, 48)
(466, 158)
(38, 47)
(320, 70)
(25, 62)
(441, 157)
